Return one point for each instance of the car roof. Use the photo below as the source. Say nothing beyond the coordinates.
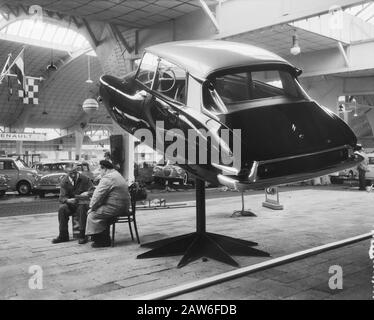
(65, 161)
(203, 57)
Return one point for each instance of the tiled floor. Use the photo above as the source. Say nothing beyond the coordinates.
(311, 217)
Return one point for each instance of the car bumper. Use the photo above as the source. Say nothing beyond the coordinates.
(49, 188)
(259, 180)
(172, 179)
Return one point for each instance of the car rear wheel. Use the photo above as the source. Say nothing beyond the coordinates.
(24, 188)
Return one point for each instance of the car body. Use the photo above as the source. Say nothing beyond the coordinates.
(51, 175)
(163, 172)
(216, 85)
(3, 184)
(21, 177)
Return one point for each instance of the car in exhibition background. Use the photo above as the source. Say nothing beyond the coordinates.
(213, 85)
(51, 174)
(21, 177)
(167, 172)
(351, 174)
(3, 184)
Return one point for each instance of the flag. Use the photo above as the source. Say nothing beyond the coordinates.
(19, 69)
(10, 89)
(31, 93)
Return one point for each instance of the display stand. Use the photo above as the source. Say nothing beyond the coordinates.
(201, 243)
(245, 213)
(272, 199)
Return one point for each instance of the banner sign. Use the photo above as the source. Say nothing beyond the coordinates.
(13, 136)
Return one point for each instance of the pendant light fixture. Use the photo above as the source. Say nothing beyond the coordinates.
(52, 66)
(89, 70)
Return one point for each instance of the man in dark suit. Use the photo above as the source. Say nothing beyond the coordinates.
(73, 186)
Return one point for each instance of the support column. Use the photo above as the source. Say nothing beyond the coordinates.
(128, 147)
(19, 147)
(127, 153)
(78, 144)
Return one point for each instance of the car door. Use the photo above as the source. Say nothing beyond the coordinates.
(8, 168)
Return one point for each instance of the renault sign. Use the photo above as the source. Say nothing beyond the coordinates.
(13, 136)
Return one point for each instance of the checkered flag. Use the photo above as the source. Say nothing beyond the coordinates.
(31, 93)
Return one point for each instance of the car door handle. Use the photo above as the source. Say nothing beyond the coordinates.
(142, 93)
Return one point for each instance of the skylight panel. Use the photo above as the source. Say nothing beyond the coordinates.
(26, 28)
(37, 30)
(49, 32)
(59, 35)
(13, 28)
(70, 35)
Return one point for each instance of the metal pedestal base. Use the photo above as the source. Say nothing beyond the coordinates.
(201, 243)
(197, 245)
(244, 213)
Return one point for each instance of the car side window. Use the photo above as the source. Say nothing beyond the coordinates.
(9, 165)
(147, 69)
(171, 81)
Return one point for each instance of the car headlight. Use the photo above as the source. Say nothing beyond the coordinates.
(179, 170)
(156, 169)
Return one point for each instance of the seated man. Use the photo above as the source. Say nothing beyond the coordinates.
(72, 185)
(110, 199)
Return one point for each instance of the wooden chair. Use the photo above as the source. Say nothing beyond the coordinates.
(130, 218)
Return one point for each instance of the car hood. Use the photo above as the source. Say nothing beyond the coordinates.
(53, 175)
(286, 130)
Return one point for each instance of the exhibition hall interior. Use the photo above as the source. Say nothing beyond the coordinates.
(186, 150)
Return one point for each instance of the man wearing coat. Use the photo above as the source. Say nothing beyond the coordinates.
(110, 199)
(73, 185)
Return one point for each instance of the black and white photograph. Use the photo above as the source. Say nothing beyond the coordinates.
(187, 156)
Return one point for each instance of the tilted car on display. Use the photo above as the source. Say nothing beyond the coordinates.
(163, 172)
(214, 85)
(21, 177)
(3, 184)
(51, 175)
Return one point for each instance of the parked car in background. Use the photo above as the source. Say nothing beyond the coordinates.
(163, 172)
(351, 174)
(3, 184)
(370, 174)
(21, 177)
(51, 175)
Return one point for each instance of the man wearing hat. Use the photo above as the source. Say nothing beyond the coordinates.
(73, 185)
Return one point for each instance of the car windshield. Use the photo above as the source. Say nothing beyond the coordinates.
(21, 164)
(226, 92)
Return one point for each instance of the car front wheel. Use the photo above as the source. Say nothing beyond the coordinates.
(184, 181)
(24, 188)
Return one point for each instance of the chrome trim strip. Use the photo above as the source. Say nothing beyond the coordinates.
(228, 170)
(138, 96)
(305, 155)
(253, 174)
